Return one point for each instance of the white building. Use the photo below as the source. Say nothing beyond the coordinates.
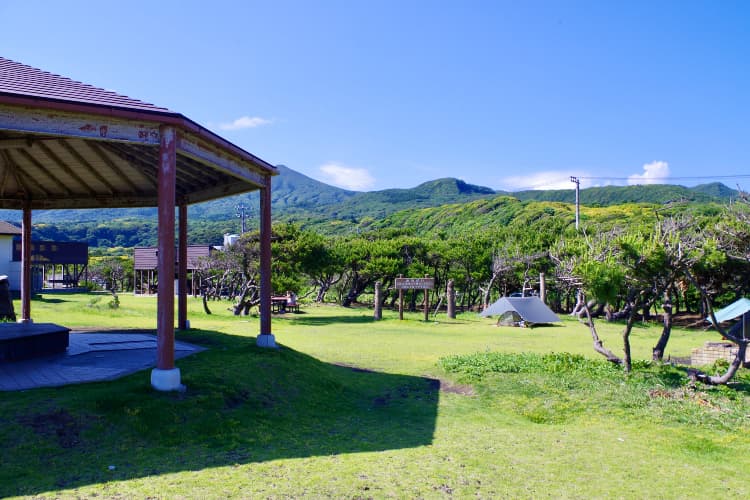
(9, 267)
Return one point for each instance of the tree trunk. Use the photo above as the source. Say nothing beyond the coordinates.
(413, 301)
(245, 301)
(356, 288)
(378, 312)
(696, 375)
(598, 344)
(661, 345)
(578, 307)
(451, 306)
(204, 296)
(627, 361)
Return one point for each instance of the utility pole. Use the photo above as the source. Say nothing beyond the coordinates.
(242, 210)
(578, 199)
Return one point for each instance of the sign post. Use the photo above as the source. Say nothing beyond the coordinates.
(425, 284)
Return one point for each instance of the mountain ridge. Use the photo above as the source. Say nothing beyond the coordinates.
(297, 197)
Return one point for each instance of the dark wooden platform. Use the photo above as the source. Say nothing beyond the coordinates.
(30, 340)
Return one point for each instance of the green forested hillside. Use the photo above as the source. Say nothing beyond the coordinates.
(617, 195)
(443, 205)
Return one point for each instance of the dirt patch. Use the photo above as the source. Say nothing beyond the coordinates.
(57, 424)
(700, 398)
(690, 320)
(463, 389)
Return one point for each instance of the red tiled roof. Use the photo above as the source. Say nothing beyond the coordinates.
(22, 80)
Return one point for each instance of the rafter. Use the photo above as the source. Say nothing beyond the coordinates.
(84, 163)
(43, 171)
(99, 152)
(58, 161)
(145, 169)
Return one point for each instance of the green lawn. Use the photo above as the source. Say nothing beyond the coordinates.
(356, 409)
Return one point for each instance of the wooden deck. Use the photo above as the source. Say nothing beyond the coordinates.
(30, 340)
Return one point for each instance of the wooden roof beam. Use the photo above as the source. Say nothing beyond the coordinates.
(22, 180)
(202, 181)
(84, 163)
(102, 155)
(203, 153)
(71, 124)
(43, 171)
(58, 161)
(147, 171)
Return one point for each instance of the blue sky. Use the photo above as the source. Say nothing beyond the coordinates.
(379, 94)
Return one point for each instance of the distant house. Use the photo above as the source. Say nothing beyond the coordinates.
(145, 263)
(53, 264)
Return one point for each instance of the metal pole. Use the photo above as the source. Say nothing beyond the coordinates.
(241, 214)
(578, 202)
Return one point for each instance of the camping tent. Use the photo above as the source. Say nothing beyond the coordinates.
(732, 311)
(516, 309)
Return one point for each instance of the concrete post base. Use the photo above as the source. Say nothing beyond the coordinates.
(166, 380)
(25, 321)
(266, 340)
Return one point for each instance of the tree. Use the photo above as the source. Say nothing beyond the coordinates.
(733, 241)
(321, 260)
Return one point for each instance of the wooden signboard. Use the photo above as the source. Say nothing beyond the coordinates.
(402, 284)
(415, 283)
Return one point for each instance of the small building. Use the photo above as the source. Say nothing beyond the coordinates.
(8, 266)
(54, 264)
(145, 264)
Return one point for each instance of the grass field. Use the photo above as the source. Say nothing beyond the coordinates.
(351, 408)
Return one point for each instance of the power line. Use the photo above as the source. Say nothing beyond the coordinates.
(681, 178)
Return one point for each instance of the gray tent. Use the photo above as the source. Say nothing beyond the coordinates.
(514, 310)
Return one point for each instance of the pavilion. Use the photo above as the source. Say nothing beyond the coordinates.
(68, 145)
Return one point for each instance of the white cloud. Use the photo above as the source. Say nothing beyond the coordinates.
(655, 172)
(357, 179)
(541, 180)
(244, 122)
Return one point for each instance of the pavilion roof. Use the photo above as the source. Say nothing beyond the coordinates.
(67, 144)
(22, 80)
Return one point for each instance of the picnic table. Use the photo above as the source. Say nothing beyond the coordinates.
(278, 303)
(283, 303)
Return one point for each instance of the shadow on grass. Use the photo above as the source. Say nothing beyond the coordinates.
(327, 320)
(243, 404)
(55, 300)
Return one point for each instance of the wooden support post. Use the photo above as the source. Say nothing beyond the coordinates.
(542, 288)
(26, 264)
(266, 338)
(451, 293)
(400, 301)
(378, 313)
(182, 321)
(426, 302)
(165, 376)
